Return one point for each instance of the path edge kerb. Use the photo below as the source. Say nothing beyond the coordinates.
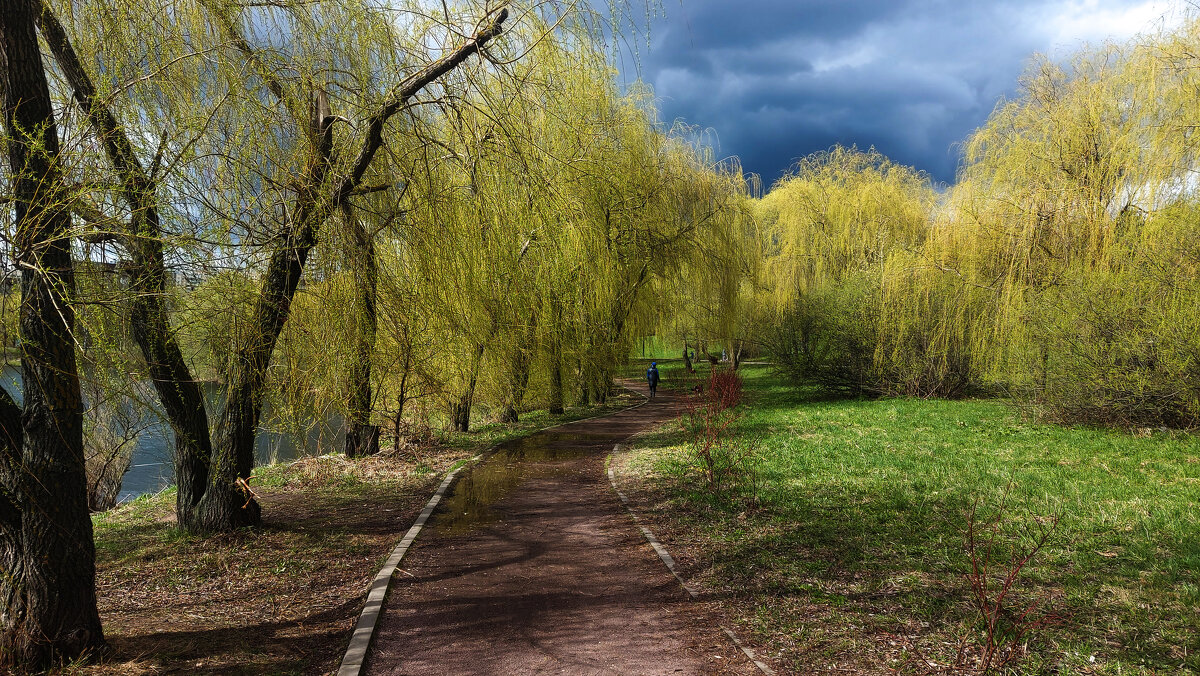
(368, 619)
(669, 562)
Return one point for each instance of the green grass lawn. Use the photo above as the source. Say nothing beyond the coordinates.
(853, 550)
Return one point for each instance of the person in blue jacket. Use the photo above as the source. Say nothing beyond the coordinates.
(652, 377)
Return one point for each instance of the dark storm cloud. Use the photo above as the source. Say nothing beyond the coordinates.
(778, 79)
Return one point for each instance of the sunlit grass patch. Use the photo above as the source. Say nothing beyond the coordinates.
(858, 531)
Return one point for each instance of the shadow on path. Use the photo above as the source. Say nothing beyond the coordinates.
(531, 566)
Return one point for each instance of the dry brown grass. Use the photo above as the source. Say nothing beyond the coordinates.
(279, 599)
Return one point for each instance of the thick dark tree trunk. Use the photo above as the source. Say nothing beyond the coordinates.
(228, 502)
(460, 414)
(460, 411)
(603, 385)
(687, 360)
(736, 356)
(522, 362)
(214, 494)
(556, 379)
(12, 551)
(362, 438)
(180, 394)
(600, 389)
(557, 403)
(49, 593)
(519, 385)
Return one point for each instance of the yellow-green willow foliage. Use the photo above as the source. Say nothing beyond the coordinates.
(714, 296)
(654, 223)
(497, 203)
(537, 220)
(1062, 266)
(857, 304)
(1073, 211)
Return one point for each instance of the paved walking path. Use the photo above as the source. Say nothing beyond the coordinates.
(531, 566)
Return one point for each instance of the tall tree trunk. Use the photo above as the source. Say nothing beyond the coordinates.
(556, 376)
(602, 386)
(585, 385)
(12, 551)
(213, 491)
(228, 502)
(557, 403)
(522, 362)
(180, 394)
(401, 399)
(49, 613)
(362, 438)
(460, 411)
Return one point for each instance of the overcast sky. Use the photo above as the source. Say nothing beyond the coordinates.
(775, 80)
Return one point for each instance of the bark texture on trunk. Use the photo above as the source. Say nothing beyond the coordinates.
(228, 502)
(556, 385)
(49, 593)
(556, 378)
(213, 473)
(460, 410)
(11, 543)
(585, 387)
(179, 393)
(522, 363)
(362, 438)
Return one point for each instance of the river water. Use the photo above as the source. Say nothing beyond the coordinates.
(151, 469)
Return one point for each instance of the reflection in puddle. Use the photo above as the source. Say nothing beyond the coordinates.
(540, 455)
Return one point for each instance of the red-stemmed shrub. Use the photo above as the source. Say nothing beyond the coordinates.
(999, 551)
(724, 459)
(724, 389)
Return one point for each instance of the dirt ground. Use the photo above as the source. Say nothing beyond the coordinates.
(531, 566)
(279, 599)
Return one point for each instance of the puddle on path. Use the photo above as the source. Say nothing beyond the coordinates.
(541, 455)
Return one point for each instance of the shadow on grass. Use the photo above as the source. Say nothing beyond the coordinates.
(277, 647)
(881, 539)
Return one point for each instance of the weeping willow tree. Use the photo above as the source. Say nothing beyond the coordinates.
(1061, 266)
(845, 230)
(536, 232)
(713, 296)
(1073, 210)
(509, 212)
(258, 161)
(48, 609)
(674, 219)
